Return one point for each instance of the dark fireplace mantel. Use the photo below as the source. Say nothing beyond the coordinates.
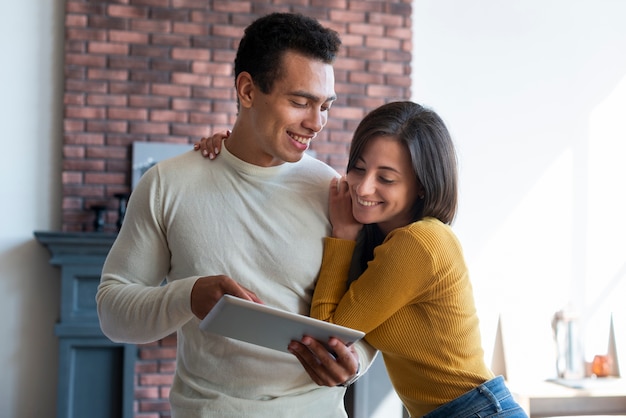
(96, 375)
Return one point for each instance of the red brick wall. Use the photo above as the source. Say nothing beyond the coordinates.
(162, 71)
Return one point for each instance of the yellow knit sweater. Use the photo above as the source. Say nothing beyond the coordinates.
(415, 304)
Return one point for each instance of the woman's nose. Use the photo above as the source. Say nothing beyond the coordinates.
(366, 185)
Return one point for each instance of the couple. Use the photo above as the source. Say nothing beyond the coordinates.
(254, 224)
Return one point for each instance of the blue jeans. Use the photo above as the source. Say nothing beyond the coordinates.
(491, 399)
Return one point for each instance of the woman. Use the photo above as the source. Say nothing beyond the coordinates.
(395, 270)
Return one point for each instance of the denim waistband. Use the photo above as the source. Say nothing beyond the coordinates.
(491, 393)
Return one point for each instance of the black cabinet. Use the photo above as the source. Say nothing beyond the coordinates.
(96, 376)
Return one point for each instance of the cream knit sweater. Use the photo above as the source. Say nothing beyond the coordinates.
(264, 227)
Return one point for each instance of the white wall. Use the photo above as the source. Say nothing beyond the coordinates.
(534, 93)
(31, 87)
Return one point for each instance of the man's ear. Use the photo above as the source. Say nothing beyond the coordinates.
(245, 89)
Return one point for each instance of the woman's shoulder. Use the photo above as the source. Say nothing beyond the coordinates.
(426, 229)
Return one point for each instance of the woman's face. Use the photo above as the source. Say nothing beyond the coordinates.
(383, 185)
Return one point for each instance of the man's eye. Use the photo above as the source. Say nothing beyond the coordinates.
(299, 104)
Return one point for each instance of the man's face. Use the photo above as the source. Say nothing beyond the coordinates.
(290, 116)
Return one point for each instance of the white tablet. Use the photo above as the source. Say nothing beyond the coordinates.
(270, 327)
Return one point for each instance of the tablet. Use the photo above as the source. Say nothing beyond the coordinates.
(269, 327)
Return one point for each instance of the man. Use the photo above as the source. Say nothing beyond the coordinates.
(250, 224)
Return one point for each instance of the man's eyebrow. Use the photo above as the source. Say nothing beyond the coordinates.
(313, 97)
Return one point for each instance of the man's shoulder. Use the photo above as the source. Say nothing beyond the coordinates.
(311, 163)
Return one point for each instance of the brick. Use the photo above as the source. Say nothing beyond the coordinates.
(129, 88)
(190, 28)
(84, 191)
(105, 74)
(365, 29)
(148, 76)
(125, 113)
(75, 73)
(74, 99)
(75, 20)
(227, 31)
(82, 112)
(346, 16)
(104, 22)
(73, 125)
(190, 104)
(69, 203)
(149, 392)
(399, 81)
(150, 102)
(232, 6)
(390, 20)
(350, 65)
(143, 367)
(107, 126)
(149, 128)
(212, 68)
(362, 53)
(73, 151)
(83, 138)
(382, 42)
(82, 34)
(194, 54)
(158, 405)
(86, 60)
(167, 39)
(159, 26)
(224, 82)
(129, 37)
(104, 178)
(86, 86)
(168, 116)
(124, 139)
(191, 79)
(202, 16)
(176, 14)
(127, 11)
(82, 7)
(366, 77)
(171, 90)
(207, 118)
(212, 93)
(155, 379)
(194, 131)
(107, 48)
(107, 100)
(391, 93)
(109, 152)
(152, 3)
(149, 51)
(73, 46)
(72, 177)
(364, 6)
(170, 66)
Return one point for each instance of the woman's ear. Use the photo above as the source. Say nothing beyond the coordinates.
(245, 89)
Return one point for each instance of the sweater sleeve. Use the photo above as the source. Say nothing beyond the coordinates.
(133, 305)
(400, 273)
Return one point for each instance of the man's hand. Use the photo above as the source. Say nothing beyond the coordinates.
(324, 367)
(209, 289)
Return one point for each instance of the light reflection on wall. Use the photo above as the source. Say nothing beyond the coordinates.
(605, 278)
